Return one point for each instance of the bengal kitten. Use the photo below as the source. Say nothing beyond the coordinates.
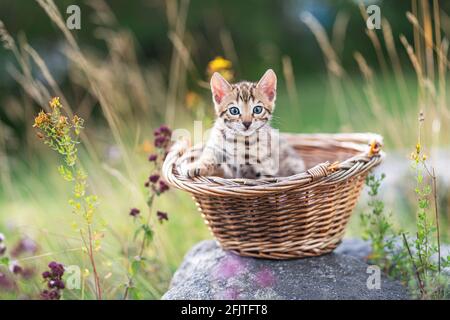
(242, 144)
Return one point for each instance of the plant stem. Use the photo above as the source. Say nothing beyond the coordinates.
(433, 176)
(144, 239)
(143, 243)
(129, 284)
(98, 291)
(91, 255)
(419, 280)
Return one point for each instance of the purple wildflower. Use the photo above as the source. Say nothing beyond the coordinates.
(152, 157)
(162, 137)
(6, 283)
(50, 295)
(25, 245)
(56, 283)
(2, 237)
(52, 284)
(53, 277)
(161, 141)
(162, 216)
(15, 268)
(165, 130)
(156, 132)
(154, 178)
(135, 212)
(163, 187)
(57, 269)
(162, 130)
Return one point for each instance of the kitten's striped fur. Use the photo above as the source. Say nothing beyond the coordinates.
(244, 145)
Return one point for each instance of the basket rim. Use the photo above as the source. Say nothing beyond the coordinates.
(367, 147)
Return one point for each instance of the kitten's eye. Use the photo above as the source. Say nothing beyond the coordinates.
(234, 111)
(257, 109)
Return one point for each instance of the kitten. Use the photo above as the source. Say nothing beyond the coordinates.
(242, 144)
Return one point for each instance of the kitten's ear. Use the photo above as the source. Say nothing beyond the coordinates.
(268, 85)
(219, 87)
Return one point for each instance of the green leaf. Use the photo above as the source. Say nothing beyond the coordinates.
(135, 266)
(135, 293)
(4, 261)
(148, 232)
(65, 173)
(419, 178)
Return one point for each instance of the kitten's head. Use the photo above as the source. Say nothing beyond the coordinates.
(244, 107)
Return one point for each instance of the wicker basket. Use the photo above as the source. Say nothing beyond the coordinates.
(298, 216)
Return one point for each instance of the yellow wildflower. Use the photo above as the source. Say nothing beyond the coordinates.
(418, 147)
(218, 64)
(76, 120)
(147, 146)
(54, 103)
(227, 74)
(63, 121)
(41, 118)
(424, 157)
(221, 65)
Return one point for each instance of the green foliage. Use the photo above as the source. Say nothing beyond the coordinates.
(426, 258)
(378, 229)
(156, 187)
(61, 135)
(4, 261)
(419, 266)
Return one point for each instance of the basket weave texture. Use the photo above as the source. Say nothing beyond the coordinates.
(303, 215)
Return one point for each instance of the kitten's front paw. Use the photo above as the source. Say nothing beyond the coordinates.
(197, 169)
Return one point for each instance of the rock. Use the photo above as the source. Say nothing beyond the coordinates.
(354, 247)
(208, 272)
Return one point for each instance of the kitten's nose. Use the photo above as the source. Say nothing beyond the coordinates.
(247, 124)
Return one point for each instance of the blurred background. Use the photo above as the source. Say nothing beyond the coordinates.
(138, 64)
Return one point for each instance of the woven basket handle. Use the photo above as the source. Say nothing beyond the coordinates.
(176, 151)
(322, 170)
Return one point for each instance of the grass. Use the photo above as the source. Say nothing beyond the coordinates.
(120, 119)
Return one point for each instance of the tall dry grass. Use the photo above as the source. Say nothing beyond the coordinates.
(394, 115)
(133, 100)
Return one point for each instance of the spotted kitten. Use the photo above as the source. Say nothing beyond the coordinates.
(242, 144)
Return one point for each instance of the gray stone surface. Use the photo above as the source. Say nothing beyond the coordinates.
(354, 247)
(208, 272)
